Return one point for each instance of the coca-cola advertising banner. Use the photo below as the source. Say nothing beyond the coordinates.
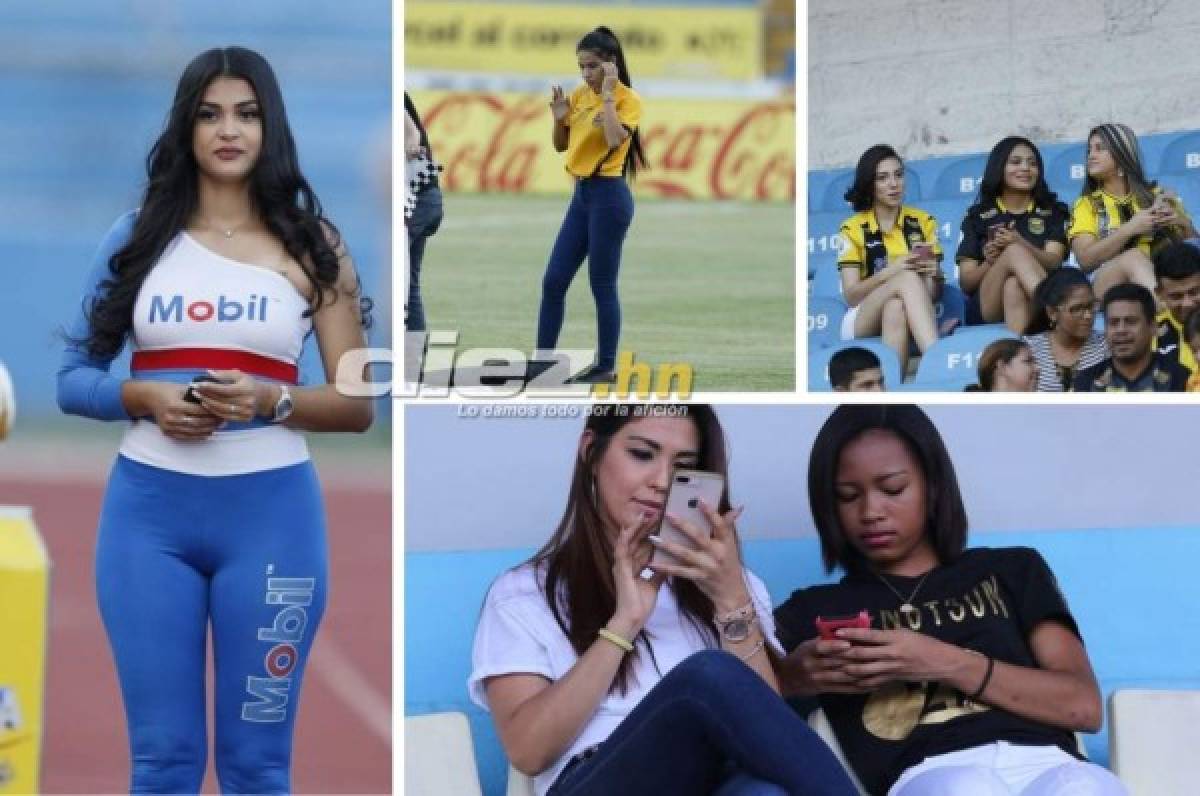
(677, 41)
(697, 149)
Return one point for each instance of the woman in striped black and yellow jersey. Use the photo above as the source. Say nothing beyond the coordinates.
(1121, 218)
(597, 126)
(890, 260)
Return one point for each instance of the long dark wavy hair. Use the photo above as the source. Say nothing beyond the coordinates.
(579, 585)
(603, 42)
(992, 184)
(279, 193)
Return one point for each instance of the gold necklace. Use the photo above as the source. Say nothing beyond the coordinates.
(906, 606)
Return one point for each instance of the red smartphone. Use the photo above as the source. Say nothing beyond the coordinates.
(922, 249)
(827, 628)
(993, 231)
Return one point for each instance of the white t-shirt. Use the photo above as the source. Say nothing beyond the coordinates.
(518, 634)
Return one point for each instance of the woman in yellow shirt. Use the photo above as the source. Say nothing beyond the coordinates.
(1121, 217)
(890, 259)
(597, 127)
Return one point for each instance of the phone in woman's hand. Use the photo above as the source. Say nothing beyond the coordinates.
(688, 488)
(190, 395)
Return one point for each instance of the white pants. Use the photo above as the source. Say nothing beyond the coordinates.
(1004, 769)
(848, 319)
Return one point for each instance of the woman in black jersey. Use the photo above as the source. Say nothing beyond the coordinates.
(972, 676)
(1012, 236)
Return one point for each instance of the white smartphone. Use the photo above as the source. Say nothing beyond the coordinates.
(688, 488)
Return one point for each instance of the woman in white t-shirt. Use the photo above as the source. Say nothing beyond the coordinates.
(635, 681)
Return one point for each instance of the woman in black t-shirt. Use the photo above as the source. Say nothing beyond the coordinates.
(972, 675)
(1014, 234)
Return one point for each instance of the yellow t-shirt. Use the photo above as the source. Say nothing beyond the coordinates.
(1117, 210)
(585, 144)
(867, 249)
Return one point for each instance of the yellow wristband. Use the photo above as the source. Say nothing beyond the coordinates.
(608, 635)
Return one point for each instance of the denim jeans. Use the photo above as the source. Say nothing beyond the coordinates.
(710, 723)
(425, 220)
(597, 219)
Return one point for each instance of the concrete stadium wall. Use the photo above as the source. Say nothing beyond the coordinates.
(937, 77)
(490, 483)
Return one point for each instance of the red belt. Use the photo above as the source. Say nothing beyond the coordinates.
(215, 359)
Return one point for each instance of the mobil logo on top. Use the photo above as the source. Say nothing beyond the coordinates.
(221, 309)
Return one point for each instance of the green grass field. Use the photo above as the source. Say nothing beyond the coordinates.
(707, 283)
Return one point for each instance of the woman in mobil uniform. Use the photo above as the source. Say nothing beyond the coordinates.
(1014, 234)
(597, 126)
(213, 514)
(1121, 217)
(890, 259)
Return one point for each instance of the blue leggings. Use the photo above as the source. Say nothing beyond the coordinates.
(595, 225)
(246, 552)
(710, 723)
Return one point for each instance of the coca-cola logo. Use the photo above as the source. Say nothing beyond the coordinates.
(488, 142)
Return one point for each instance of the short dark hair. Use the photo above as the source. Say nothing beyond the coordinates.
(1131, 291)
(861, 193)
(848, 361)
(1191, 326)
(1176, 261)
(946, 517)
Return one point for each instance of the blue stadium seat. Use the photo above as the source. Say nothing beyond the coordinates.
(1065, 173)
(832, 194)
(826, 278)
(1181, 156)
(834, 191)
(952, 304)
(817, 180)
(959, 178)
(954, 359)
(825, 315)
(818, 363)
(823, 237)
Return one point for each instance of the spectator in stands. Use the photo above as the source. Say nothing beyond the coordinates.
(856, 369)
(1014, 234)
(973, 676)
(605, 673)
(1191, 333)
(596, 125)
(422, 208)
(1007, 365)
(1061, 333)
(890, 261)
(1122, 217)
(1135, 365)
(1177, 270)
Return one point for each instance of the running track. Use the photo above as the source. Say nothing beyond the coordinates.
(343, 742)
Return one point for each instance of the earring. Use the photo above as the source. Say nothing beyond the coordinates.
(1120, 173)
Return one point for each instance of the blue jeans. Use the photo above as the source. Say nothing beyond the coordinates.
(595, 225)
(710, 723)
(426, 218)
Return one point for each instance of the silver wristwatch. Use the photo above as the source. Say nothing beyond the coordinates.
(284, 406)
(736, 625)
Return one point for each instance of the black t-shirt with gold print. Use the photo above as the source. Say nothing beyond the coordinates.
(988, 600)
